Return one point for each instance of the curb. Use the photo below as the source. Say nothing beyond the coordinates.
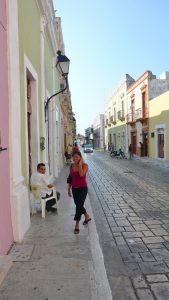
(100, 288)
(5, 265)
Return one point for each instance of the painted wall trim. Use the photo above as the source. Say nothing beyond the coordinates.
(19, 199)
(28, 67)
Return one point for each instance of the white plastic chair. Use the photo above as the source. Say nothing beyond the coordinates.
(37, 198)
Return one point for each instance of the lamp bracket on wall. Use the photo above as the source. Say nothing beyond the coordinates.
(2, 149)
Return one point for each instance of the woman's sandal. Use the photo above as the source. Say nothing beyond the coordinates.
(86, 221)
(76, 231)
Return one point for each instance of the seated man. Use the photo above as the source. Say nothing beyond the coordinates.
(39, 178)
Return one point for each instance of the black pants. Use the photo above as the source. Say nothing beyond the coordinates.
(131, 155)
(51, 202)
(79, 196)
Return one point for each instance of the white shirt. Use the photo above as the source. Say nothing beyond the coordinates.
(42, 180)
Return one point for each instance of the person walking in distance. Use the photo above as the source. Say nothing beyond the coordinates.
(131, 151)
(141, 149)
(68, 154)
(75, 149)
(78, 185)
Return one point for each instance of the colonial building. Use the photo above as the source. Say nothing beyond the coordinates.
(159, 127)
(146, 87)
(98, 132)
(30, 36)
(115, 115)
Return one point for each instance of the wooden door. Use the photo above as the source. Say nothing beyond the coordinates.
(161, 145)
(133, 141)
(145, 144)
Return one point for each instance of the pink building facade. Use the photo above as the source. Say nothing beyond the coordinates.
(6, 232)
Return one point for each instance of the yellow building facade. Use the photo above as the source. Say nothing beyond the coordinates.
(159, 127)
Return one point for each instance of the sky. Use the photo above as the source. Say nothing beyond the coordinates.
(104, 40)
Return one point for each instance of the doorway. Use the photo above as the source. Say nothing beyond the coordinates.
(29, 113)
(114, 141)
(133, 141)
(160, 142)
(145, 143)
(110, 139)
(31, 130)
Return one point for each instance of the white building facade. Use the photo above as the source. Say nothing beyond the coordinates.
(28, 88)
(98, 132)
(115, 116)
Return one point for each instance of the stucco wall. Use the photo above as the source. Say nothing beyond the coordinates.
(6, 233)
(120, 132)
(157, 87)
(48, 67)
(29, 46)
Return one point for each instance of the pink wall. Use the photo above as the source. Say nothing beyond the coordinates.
(6, 235)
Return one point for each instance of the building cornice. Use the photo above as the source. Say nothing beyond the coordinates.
(144, 76)
(48, 23)
(118, 88)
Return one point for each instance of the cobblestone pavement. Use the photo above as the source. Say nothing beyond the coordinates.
(134, 202)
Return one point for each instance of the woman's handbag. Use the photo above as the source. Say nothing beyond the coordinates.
(69, 179)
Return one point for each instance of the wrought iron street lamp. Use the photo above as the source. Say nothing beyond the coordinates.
(62, 66)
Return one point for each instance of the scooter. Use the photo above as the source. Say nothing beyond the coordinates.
(118, 154)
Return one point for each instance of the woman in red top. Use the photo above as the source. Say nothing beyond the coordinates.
(78, 185)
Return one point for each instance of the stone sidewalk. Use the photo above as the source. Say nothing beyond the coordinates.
(151, 161)
(53, 263)
(154, 162)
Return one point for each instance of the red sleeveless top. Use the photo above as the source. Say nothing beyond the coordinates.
(77, 181)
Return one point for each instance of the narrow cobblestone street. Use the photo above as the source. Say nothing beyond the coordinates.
(130, 200)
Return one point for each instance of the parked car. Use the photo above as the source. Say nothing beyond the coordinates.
(88, 148)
